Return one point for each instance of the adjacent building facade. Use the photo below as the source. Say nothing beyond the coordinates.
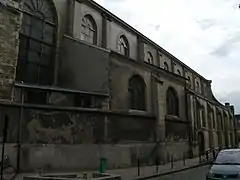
(237, 117)
(78, 83)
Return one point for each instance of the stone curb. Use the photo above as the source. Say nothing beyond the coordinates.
(172, 172)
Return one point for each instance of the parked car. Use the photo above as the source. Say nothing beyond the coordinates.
(225, 166)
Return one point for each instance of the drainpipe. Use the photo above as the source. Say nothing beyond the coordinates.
(20, 132)
(188, 117)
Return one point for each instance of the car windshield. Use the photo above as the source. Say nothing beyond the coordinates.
(228, 157)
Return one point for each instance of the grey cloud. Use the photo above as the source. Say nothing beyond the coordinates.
(222, 50)
(157, 27)
(206, 23)
(227, 46)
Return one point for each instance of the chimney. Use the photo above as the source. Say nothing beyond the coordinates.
(227, 104)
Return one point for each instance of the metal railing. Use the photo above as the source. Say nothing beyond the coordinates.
(204, 158)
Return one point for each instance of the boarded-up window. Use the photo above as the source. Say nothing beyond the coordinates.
(172, 102)
(137, 93)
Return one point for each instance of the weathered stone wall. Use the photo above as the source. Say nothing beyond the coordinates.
(178, 150)
(81, 156)
(168, 124)
(14, 115)
(9, 28)
(61, 157)
(206, 138)
(120, 73)
(68, 140)
(176, 131)
(75, 127)
(11, 151)
(214, 136)
(195, 150)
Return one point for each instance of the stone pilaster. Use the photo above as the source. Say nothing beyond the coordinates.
(71, 11)
(172, 66)
(160, 126)
(104, 31)
(159, 55)
(140, 49)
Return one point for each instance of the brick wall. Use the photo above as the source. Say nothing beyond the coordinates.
(9, 28)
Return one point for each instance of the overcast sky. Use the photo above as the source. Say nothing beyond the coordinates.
(204, 34)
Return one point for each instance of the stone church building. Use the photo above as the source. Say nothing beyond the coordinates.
(78, 83)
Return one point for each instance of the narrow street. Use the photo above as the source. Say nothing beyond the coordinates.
(192, 174)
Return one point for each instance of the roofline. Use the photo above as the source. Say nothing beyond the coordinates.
(213, 101)
(140, 34)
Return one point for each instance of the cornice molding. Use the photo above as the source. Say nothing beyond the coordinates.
(151, 68)
(191, 92)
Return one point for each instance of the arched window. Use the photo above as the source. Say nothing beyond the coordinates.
(203, 117)
(198, 113)
(172, 102)
(149, 58)
(189, 81)
(137, 93)
(211, 117)
(220, 120)
(123, 46)
(225, 121)
(165, 66)
(231, 124)
(197, 87)
(89, 30)
(37, 43)
(179, 72)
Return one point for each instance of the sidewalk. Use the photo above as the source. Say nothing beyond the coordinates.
(146, 172)
(151, 171)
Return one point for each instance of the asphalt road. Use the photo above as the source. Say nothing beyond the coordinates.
(192, 174)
